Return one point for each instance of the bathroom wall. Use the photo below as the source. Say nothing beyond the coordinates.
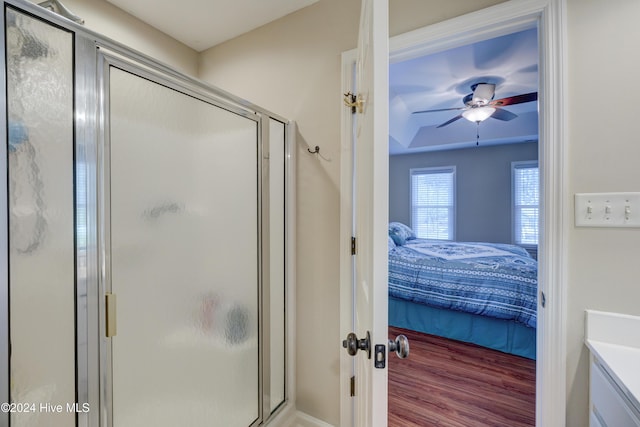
(293, 67)
(603, 156)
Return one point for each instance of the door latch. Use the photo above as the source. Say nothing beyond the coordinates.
(380, 356)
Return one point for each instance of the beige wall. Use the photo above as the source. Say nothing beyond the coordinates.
(603, 154)
(104, 18)
(298, 58)
(292, 67)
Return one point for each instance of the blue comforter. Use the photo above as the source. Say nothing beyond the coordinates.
(490, 279)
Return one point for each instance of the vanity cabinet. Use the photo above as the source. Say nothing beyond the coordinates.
(613, 340)
(609, 404)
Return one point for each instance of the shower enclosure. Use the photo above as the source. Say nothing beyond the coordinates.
(145, 271)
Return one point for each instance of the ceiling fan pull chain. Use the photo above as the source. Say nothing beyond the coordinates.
(477, 133)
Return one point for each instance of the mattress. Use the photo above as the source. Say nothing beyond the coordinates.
(488, 279)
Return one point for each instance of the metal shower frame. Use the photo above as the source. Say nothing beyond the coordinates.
(93, 54)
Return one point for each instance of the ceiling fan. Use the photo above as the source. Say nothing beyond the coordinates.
(480, 105)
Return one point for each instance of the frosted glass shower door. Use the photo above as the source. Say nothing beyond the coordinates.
(182, 188)
(39, 93)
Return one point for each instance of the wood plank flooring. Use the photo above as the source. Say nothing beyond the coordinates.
(453, 384)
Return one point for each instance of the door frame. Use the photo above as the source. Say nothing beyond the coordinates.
(501, 19)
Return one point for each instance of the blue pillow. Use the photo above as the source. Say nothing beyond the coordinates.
(398, 238)
(400, 233)
(391, 244)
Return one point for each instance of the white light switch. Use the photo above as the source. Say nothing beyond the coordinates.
(607, 209)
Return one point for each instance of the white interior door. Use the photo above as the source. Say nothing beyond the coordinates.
(371, 213)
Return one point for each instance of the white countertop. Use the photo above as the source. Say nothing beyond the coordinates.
(614, 339)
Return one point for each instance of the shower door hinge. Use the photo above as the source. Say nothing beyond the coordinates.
(353, 387)
(353, 246)
(110, 314)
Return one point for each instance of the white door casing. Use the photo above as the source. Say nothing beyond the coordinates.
(370, 182)
(504, 18)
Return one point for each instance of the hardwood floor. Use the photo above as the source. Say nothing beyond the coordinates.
(453, 384)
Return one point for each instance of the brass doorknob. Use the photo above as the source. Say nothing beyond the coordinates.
(353, 344)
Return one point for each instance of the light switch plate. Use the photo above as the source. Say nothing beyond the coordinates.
(607, 209)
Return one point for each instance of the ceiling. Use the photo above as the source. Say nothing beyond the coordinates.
(435, 81)
(441, 80)
(201, 24)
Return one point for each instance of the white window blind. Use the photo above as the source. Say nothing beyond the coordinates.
(433, 202)
(526, 193)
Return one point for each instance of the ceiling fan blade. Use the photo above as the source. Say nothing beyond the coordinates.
(518, 99)
(458, 117)
(435, 111)
(483, 93)
(503, 115)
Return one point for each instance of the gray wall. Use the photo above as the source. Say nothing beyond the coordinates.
(483, 187)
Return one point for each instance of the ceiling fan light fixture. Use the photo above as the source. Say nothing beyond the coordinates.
(478, 114)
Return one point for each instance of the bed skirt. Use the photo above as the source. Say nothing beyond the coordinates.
(502, 335)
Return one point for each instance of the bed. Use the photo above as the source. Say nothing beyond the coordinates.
(483, 293)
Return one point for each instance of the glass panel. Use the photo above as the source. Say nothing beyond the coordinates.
(41, 230)
(184, 258)
(277, 259)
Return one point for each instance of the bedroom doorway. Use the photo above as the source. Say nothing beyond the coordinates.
(463, 232)
(505, 18)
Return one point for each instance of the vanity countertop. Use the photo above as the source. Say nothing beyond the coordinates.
(614, 339)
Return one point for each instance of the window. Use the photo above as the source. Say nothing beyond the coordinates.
(526, 193)
(433, 202)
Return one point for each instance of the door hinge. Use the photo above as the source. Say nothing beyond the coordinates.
(353, 386)
(110, 314)
(353, 246)
(350, 101)
(356, 103)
